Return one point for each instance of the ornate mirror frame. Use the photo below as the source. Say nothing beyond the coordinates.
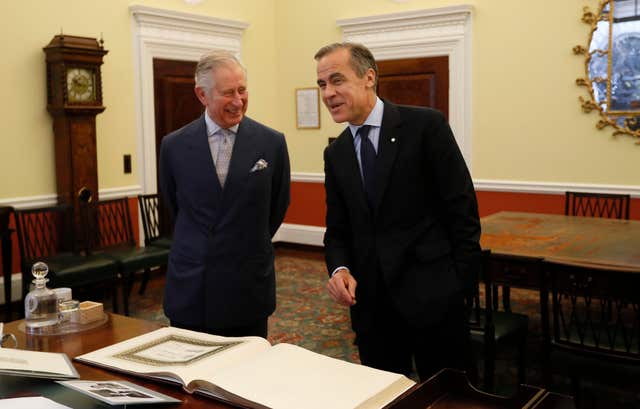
(612, 66)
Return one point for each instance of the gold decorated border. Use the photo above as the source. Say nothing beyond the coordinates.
(130, 355)
(589, 104)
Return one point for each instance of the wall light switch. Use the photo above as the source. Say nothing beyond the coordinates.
(127, 163)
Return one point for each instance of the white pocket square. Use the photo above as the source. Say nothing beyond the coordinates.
(260, 164)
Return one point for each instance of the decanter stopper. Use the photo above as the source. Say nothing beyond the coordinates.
(40, 270)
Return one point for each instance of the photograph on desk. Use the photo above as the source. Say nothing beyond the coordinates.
(34, 364)
(118, 392)
(248, 371)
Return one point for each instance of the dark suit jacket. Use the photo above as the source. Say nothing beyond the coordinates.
(422, 235)
(220, 271)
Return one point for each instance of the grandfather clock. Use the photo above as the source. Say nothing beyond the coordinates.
(74, 98)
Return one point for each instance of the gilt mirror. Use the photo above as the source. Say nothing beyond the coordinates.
(612, 65)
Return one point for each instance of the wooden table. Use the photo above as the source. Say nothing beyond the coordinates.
(117, 329)
(120, 328)
(588, 241)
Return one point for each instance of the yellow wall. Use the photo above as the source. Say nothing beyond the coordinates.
(527, 124)
(26, 142)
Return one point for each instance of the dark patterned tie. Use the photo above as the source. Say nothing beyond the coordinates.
(368, 163)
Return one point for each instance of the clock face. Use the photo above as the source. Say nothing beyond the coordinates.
(80, 85)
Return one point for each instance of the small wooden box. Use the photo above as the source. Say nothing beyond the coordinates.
(90, 311)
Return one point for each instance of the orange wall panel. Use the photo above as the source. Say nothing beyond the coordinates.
(493, 202)
(308, 207)
(308, 204)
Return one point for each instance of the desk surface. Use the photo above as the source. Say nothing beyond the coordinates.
(585, 240)
(117, 329)
(120, 328)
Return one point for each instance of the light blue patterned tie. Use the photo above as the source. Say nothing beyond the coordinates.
(224, 155)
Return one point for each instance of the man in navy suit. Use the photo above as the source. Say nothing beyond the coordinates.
(402, 238)
(226, 178)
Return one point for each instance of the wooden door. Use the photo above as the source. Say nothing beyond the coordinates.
(416, 81)
(176, 105)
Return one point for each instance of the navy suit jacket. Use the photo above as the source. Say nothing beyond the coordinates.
(421, 239)
(221, 266)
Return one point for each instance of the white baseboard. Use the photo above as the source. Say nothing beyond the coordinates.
(16, 288)
(300, 234)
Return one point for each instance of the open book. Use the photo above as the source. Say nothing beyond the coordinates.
(249, 372)
(18, 362)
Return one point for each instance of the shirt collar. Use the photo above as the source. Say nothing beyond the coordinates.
(374, 119)
(213, 127)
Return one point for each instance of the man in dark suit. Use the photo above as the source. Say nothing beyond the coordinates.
(226, 178)
(403, 230)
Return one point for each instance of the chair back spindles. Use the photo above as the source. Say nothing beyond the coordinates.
(156, 221)
(606, 205)
(594, 322)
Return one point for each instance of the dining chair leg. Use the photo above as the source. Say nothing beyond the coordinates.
(489, 367)
(126, 291)
(577, 391)
(114, 297)
(522, 360)
(145, 280)
(506, 298)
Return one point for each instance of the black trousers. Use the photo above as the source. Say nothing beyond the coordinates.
(394, 345)
(258, 328)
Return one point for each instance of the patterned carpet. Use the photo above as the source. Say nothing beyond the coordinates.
(306, 316)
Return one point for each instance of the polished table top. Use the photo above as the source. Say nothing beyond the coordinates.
(118, 328)
(572, 239)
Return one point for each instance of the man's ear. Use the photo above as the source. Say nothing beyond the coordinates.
(201, 94)
(370, 76)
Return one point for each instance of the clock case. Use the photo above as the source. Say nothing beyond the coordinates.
(65, 52)
(74, 124)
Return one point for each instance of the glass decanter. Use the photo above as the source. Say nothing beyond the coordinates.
(41, 304)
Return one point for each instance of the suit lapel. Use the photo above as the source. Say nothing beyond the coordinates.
(387, 150)
(243, 157)
(199, 146)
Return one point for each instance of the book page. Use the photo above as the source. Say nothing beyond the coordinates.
(35, 402)
(36, 364)
(177, 354)
(291, 377)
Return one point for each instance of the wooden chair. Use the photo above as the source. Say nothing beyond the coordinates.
(156, 223)
(608, 205)
(493, 329)
(112, 237)
(592, 329)
(47, 234)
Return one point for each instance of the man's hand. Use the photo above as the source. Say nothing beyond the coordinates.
(342, 287)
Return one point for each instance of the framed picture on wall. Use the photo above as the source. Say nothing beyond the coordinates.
(307, 108)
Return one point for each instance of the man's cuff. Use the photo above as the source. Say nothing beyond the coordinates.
(336, 270)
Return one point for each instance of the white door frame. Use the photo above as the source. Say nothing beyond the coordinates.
(426, 33)
(172, 35)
